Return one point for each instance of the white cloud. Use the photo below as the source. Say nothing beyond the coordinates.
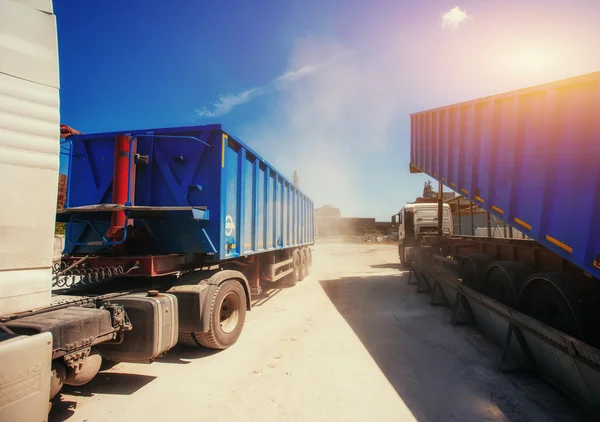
(294, 75)
(454, 17)
(228, 102)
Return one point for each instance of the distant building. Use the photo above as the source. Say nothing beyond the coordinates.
(327, 211)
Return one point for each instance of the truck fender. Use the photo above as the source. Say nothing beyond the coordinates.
(221, 276)
(203, 285)
(213, 285)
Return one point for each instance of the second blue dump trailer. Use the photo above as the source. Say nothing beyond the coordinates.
(169, 234)
(528, 158)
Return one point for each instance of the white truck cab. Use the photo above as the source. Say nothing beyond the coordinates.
(29, 162)
(415, 221)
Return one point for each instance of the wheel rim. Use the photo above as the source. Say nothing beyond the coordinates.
(230, 312)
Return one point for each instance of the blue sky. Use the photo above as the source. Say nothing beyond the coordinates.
(323, 87)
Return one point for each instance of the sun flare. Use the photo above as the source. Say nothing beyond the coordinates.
(534, 59)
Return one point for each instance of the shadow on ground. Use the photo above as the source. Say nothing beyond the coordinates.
(442, 372)
(266, 295)
(104, 383)
(184, 355)
(390, 266)
(118, 383)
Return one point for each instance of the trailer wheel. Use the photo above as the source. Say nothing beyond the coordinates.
(292, 279)
(299, 265)
(307, 263)
(472, 270)
(503, 281)
(544, 299)
(304, 261)
(226, 316)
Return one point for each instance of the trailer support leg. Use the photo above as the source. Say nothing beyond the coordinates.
(440, 210)
(462, 300)
(509, 364)
(410, 276)
(422, 283)
(472, 218)
(255, 288)
(437, 287)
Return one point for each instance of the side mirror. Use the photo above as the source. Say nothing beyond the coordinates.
(395, 220)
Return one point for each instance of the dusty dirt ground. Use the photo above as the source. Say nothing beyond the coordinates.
(352, 342)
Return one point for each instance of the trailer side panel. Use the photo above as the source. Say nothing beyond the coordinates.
(530, 157)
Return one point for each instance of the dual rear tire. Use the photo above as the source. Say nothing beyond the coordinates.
(302, 262)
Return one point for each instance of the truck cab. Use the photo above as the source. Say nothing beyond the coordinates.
(418, 220)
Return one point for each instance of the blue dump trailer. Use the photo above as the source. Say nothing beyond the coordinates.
(528, 158)
(169, 234)
(193, 191)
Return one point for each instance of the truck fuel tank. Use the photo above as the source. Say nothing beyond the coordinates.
(154, 317)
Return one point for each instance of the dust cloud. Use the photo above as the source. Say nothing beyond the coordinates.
(326, 125)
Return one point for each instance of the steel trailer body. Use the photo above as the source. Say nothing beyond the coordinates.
(193, 190)
(530, 157)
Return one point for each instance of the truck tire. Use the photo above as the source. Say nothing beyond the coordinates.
(226, 316)
(402, 257)
(305, 263)
(548, 298)
(307, 260)
(301, 264)
(503, 281)
(187, 339)
(294, 277)
(472, 270)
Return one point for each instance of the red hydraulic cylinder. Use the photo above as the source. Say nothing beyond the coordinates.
(121, 177)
